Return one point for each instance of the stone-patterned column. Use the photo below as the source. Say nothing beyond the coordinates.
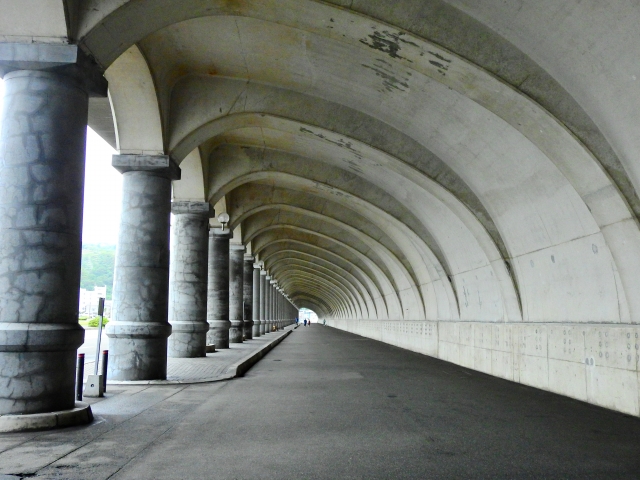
(218, 288)
(267, 304)
(280, 316)
(139, 330)
(247, 296)
(272, 305)
(263, 302)
(236, 286)
(188, 279)
(42, 149)
(256, 300)
(276, 307)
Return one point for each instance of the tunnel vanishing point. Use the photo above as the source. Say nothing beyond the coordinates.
(455, 178)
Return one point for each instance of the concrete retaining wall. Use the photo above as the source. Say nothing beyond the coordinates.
(594, 363)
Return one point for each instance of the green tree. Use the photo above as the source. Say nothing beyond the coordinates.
(97, 267)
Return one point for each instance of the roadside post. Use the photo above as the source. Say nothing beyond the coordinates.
(95, 383)
(79, 376)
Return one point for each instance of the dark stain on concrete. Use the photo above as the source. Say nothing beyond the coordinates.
(439, 57)
(387, 42)
(340, 143)
(390, 80)
(441, 64)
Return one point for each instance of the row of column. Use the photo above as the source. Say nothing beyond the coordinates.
(210, 281)
(216, 294)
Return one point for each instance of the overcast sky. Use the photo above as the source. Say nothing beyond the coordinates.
(102, 191)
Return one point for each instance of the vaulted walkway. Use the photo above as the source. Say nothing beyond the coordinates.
(330, 404)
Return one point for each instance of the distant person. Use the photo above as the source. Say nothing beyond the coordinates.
(297, 320)
(305, 322)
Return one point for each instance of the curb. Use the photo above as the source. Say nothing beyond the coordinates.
(249, 361)
(234, 370)
(80, 415)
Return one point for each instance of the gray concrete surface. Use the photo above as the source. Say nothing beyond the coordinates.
(453, 177)
(328, 404)
(255, 307)
(247, 295)
(263, 302)
(188, 279)
(139, 329)
(218, 289)
(42, 147)
(236, 289)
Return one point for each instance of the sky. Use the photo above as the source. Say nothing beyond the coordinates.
(102, 191)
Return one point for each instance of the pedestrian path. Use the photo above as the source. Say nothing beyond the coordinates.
(222, 364)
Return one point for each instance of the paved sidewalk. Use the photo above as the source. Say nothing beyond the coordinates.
(221, 365)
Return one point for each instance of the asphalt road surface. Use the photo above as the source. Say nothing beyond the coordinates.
(326, 404)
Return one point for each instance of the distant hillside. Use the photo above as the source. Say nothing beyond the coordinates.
(97, 267)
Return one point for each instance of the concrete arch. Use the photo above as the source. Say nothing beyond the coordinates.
(231, 163)
(346, 279)
(374, 215)
(348, 253)
(386, 304)
(299, 277)
(339, 288)
(95, 26)
(567, 228)
(390, 264)
(335, 304)
(191, 185)
(366, 286)
(136, 113)
(304, 299)
(392, 297)
(316, 219)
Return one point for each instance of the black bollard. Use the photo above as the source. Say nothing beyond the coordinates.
(104, 361)
(79, 376)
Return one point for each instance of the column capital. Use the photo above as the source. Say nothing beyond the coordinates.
(219, 233)
(236, 246)
(180, 207)
(66, 60)
(161, 165)
(263, 272)
(249, 258)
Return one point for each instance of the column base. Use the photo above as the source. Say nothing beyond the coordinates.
(79, 415)
(248, 330)
(188, 340)
(137, 350)
(37, 366)
(218, 334)
(236, 331)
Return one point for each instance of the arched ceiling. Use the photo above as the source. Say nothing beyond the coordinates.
(406, 159)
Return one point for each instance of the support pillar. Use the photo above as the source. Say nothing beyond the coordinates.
(272, 304)
(188, 279)
(247, 296)
(267, 304)
(256, 301)
(263, 302)
(139, 330)
(218, 288)
(236, 286)
(42, 151)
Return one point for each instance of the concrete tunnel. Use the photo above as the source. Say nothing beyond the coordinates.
(454, 178)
